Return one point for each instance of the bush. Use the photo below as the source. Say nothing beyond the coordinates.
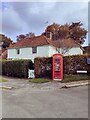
(74, 63)
(16, 68)
(43, 66)
(0, 67)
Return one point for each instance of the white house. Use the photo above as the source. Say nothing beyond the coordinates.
(41, 46)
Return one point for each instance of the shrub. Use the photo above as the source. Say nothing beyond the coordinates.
(0, 67)
(16, 68)
(74, 63)
(43, 66)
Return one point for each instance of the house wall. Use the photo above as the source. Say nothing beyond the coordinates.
(26, 53)
(42, 51)
(71, 51)
(74, 51)
(52, 50)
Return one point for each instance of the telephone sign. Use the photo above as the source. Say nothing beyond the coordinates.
(57, 67)
(88, 61)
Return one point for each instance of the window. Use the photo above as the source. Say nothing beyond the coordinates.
(18, 51)
(34, 49)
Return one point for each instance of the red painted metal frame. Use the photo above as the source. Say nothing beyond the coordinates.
(57, 75)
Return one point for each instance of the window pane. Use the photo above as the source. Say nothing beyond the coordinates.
(34, 49)
(18, 51)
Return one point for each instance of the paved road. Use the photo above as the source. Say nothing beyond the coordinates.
(61, 103)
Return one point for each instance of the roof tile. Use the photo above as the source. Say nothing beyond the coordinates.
(43, 40)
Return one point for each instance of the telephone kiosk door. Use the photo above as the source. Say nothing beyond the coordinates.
(57, 67)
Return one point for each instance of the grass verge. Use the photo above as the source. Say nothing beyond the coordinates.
(39, 80)
(67, 78)
(3, 80)
(72, 78)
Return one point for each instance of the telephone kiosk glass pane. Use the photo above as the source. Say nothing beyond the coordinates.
(57, 65)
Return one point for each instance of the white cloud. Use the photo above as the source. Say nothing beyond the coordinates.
(11, 22)
(45, 0)
(23, 17)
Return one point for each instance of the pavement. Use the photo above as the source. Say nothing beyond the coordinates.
(20, 83)
(62, 103)
(76, 84)
(47, 100)
(24, 83)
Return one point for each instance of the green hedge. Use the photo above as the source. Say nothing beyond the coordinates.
(76, 62)
(43, 66)
(16, 68)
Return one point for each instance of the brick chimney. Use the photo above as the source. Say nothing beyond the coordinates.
(49, 35)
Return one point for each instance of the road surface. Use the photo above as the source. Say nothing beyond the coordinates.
(61, 103)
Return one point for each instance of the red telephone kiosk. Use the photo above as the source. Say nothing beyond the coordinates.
(57, 67)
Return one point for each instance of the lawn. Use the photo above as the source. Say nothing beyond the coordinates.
(66, 78)
(39, 80)
(3, 80)
(71, 78)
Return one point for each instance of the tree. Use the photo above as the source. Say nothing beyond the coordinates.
(28, 35)
(77, 32)
(20, 37)
(64, 31)
(54, 29)
(5, 41)
(74, 31)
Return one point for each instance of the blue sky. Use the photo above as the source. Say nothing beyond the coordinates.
(23, 17)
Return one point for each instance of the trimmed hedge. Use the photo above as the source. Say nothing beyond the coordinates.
(74, 63)
(16, 68)
(43, 66)
(0, 67)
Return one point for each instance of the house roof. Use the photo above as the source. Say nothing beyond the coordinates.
(1, 51)
(32, 42)
(43, 40)
(86, 49)
(3, 55)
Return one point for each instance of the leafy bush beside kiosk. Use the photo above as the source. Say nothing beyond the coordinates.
(43, 66)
